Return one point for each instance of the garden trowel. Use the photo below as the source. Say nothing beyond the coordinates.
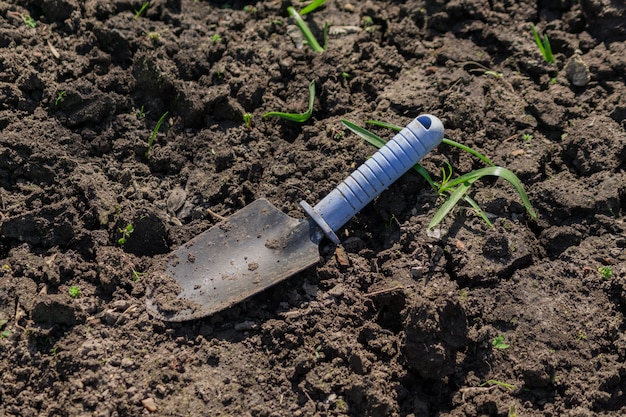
(259, 245)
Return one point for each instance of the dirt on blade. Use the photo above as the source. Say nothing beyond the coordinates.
(405, 325)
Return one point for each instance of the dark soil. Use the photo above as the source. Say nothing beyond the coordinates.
(407, 327)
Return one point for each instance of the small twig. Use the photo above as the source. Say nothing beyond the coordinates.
(386, 290)
(214, 214)
(125, 313)
(475, 389)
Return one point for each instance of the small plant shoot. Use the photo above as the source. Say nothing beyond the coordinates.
(74, 291)
(142, 9)
(297, 117)
(498, 342)
(247, 120)
(27, 19)
(59, 99)
(606, 272)
(4, 333)
(155, 131)
(304, 27)
(454, 190)
(126, 232)
(543, 44)
(492, 382)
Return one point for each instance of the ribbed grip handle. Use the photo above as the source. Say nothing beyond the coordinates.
(387, 165)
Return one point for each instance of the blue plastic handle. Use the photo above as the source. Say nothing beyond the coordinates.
(398, 155)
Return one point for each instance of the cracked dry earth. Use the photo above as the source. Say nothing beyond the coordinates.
(404, 324)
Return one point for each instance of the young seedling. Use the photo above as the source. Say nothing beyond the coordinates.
(317, 351)
(498, 342)
(247, 120)
(304, 27)
(4, 333)
(606, 272)
(297, 117)
(155, 131)
(454, 189)
(143, 8)
(141, 113)
(60, 98)
(28, 21)
(135, 274)
(126, 232)
(481, 69)
(492, 382)
(216, 38)
(74, 291)
(543, 44)
(153, 36)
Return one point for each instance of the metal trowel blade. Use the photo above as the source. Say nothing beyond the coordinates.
(249, 252)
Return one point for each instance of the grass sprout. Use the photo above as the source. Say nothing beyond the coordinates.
(455, 189)
(155, 131)
(247, 120)
(27, 19)
(304, 26)
(543, 44)
(492, 382)
(297, 117)
(314, 5)
(143, 8)
(60, 97)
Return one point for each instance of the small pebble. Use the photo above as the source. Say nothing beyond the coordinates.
(577, 71)
(149, 404)
(176, 199)
(245, 326)
(120, 305)
(127, 363)
(418, 271)
(342, 257)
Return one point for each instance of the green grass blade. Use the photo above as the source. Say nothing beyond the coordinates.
(422, 171)
(297, 117)
(543, 44)
(312, 7)
(155, 131)
(365, 134)
(478, 210)
(304, 28)
(548, 49)
(384, 124)
(469, 150)
(497, 172)
(538, 40)
(449, 204)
